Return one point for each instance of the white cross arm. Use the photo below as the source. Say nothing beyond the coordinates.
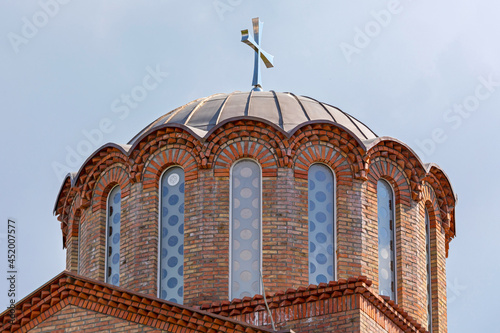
(266, 57)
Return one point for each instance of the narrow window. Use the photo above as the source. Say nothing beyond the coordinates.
(79, 245)
(321, 224)
(245, 232)
(428, 251)
(171, 270)
(113, 237)
(386, 244)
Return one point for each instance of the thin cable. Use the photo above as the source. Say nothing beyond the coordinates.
(265, 300)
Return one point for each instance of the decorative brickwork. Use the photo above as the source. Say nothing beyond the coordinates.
(239, 148)
(401, 155)
(165, 157)
(186, 151)
(268, 136)
(314, 152)
(338, 305)
(345, 142)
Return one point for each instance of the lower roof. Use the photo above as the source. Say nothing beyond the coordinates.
(69, 288)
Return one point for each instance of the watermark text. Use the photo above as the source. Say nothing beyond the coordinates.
(454, 116)
(11, 267)
(32, 25)
(120, 107)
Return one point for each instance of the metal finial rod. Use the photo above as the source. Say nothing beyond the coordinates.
(255, 43)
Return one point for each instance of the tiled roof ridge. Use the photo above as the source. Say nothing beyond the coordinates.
(70, 288)
(341, 287)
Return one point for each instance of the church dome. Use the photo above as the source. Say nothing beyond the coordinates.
(234, 191)
(283, 109)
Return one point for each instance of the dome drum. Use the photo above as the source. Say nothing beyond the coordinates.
(284, 136)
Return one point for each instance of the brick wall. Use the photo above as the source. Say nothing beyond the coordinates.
(368, 324)
(75, 319)
(72, 239)
(206, 244)
(345, 314)
(438, 259)
(341, 322)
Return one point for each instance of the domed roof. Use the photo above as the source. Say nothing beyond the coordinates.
(284, 110)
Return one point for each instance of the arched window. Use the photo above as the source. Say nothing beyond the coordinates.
(113, 236)
(321, 224)
(386, 243)
(79, 245)
(428, 251)
(171, 279)
(245, 231)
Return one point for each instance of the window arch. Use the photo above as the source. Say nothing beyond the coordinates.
(428, 265)
(321, 185)
(113, 222)
(245, 229)
(386, 240)
(171, 270)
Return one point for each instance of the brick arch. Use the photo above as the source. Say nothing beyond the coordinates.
(443, 181)
(66, 194)
(77, 188)
(166, 157)
(175, 138)
(387, 169)
(430, 202)
(405, 159)
(245, 147)
(345, 143)
(93, 171)
(109, 178)
(65, 207)
(266, 135)
(446, 209)
(74, 215)
(446, 198)
(322, 152)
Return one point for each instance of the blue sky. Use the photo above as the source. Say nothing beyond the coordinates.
(423, 72)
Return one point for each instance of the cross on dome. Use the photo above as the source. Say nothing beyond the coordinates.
(255, 43)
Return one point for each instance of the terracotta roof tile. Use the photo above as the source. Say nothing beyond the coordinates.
(354, 285)
(69, 288)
